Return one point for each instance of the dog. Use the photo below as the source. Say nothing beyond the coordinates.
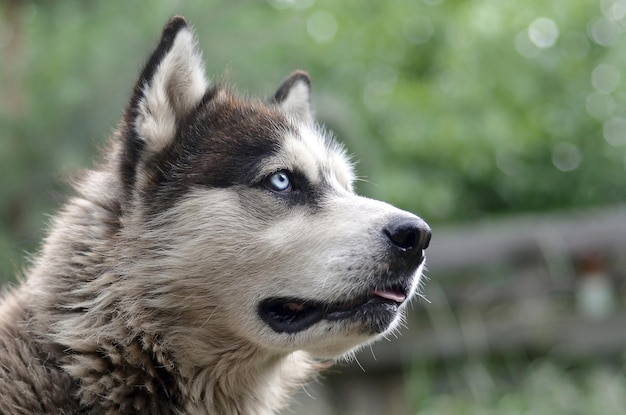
(212, 261)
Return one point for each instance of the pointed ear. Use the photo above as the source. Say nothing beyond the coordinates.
(294, 96)
(170, 86)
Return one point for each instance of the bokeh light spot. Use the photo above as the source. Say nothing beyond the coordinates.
(418, 29)
(543, 32)
(600, 106)
(604, 32)
(291, 4)
(566, 156)
(614, 131)
(605, 78)
(613, 9)
(322, 26)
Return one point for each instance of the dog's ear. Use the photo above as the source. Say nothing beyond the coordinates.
(170, 86)
(294, 96)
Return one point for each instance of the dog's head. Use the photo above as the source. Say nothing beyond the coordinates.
(245, 218)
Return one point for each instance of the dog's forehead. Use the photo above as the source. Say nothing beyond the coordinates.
(311, 151)
(246, 129)
(235, 119)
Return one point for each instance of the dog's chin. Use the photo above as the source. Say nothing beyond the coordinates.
(364, 315)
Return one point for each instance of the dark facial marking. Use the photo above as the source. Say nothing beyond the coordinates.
(221, 144)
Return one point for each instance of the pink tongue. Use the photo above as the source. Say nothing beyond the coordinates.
(391, 295)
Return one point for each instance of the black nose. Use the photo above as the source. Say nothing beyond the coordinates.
(409, 235)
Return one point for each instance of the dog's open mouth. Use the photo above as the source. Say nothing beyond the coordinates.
(291, 315)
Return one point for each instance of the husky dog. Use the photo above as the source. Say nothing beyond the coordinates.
(214, 260)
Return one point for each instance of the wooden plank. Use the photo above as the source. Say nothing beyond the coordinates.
(495, 241)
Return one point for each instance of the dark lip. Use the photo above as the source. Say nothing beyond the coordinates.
(293, 314)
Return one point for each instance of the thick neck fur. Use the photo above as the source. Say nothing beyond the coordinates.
(93, 296)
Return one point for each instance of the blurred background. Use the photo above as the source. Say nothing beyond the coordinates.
(502, 123)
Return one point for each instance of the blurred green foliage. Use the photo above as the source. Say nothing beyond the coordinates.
(539, 388)
(455, 109)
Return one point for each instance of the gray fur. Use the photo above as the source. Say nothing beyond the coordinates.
(147, 293)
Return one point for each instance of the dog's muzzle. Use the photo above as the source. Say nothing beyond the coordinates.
(406, 238)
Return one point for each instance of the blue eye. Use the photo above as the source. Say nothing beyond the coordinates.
(279, 182)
